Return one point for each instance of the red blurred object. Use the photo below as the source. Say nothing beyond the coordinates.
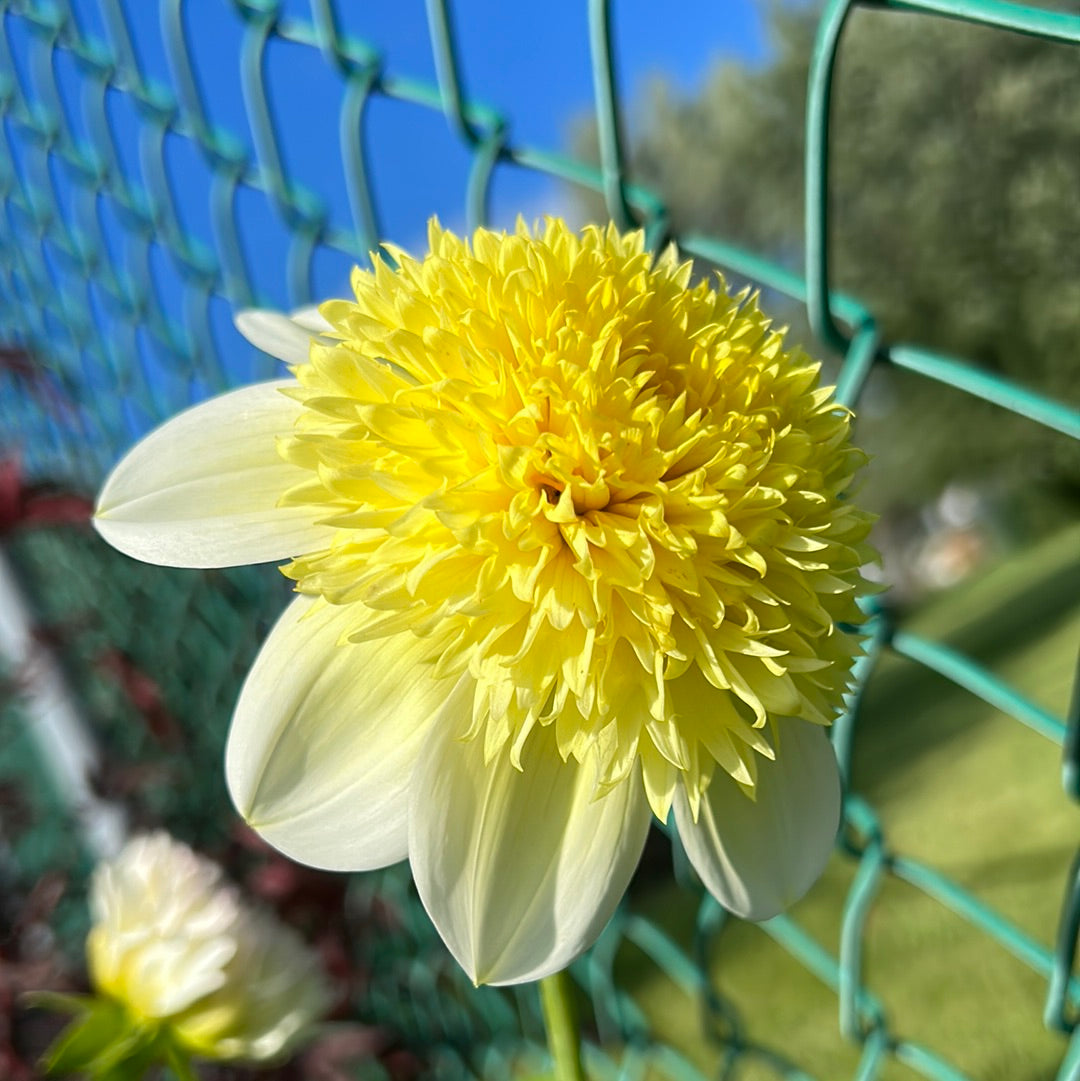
(36, 504)
(145, 695)
(29, 961)
(44, 384)
(331, 1055)
(312, 901)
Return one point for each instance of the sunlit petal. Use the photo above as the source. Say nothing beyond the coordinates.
(287, 337)
(325, 736)
(519, 870)
(593, 553)
(202, 490)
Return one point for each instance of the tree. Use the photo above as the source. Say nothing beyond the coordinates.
(956, 164)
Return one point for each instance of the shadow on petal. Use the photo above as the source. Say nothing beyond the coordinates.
(519, 869)
(758, 857)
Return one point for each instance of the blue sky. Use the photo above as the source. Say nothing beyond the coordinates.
(528, 59)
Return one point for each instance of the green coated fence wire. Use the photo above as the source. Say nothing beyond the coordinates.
(99, 351)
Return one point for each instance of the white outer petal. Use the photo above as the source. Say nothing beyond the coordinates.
(311, 320)
(759, 857)
(325, 736)
(202, 490)
(283, 336)
(519, 870)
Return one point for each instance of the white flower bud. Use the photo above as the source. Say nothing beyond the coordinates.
(175, 944)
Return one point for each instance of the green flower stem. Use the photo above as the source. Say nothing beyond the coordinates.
(564, 1041)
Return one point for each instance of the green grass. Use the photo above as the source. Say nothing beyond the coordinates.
(957, 785)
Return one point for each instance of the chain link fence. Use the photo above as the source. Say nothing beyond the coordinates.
(115, 308)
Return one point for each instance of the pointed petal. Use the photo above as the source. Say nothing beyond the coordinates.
(757, 857)
(325, 736)
(201, 490)
(283, 336)
(311, 320)
(519, 870)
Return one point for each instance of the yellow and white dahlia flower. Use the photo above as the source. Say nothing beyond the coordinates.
(176, 947)
(570, 550)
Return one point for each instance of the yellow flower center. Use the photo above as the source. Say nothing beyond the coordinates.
(608, 495)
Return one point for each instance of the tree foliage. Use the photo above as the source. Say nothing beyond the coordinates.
(955, 154)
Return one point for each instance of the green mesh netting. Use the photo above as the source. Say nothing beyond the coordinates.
(114, 313)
